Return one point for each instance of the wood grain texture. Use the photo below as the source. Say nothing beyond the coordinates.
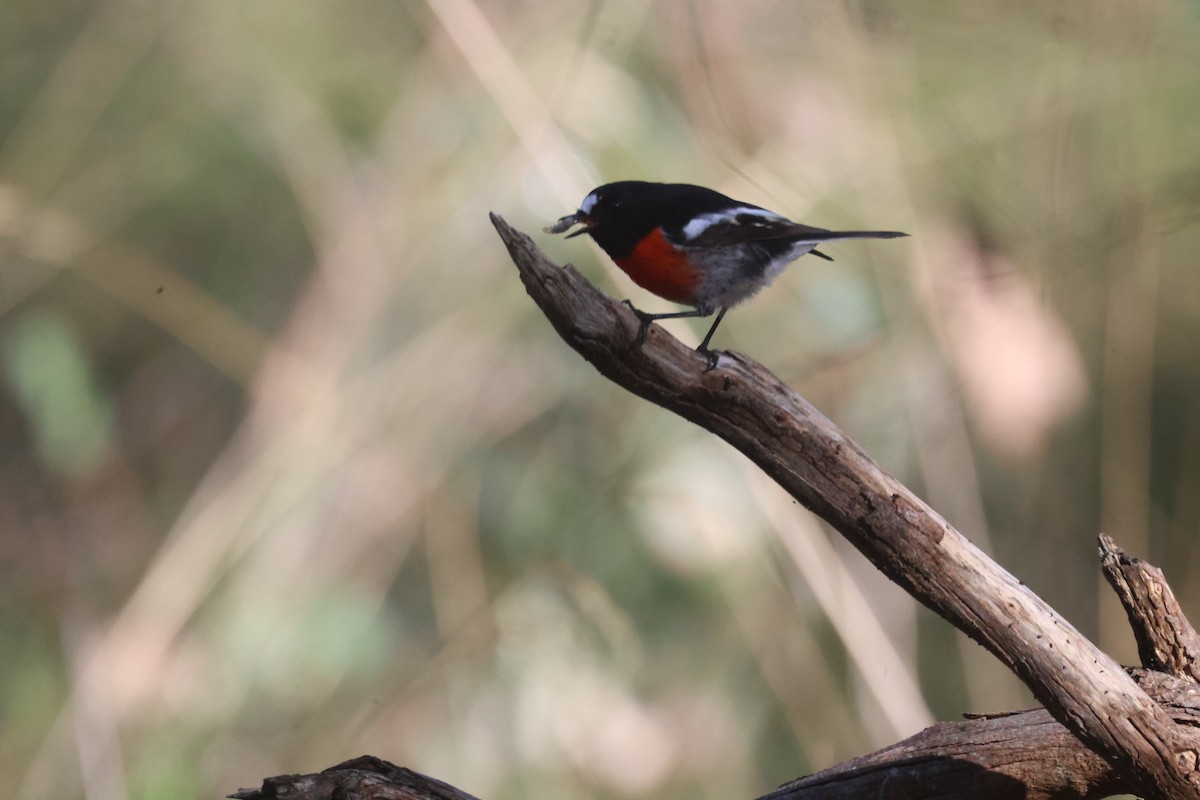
(1024, 755)
(1166, 640)
(362, 778)
(743, 403)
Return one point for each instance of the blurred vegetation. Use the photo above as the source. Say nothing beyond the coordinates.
(293, 471)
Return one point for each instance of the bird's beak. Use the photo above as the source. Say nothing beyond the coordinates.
(578, 218)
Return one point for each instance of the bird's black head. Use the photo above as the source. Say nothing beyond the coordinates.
(617, 215)
(607, 209)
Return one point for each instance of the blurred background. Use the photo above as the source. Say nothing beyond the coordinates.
(292, 470)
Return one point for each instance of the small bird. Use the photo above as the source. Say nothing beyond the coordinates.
(694, 246)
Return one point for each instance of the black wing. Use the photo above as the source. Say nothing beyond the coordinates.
(747, 228)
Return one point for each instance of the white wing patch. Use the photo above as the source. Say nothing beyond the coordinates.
(739, 215)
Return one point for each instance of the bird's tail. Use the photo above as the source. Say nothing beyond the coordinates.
(825, 236)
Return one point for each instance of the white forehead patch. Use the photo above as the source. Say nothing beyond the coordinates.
(730, 216)
(588, 203)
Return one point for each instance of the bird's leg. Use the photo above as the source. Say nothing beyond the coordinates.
(713, 356)
(646, 319)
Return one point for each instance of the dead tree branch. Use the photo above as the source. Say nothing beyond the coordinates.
(1103, 730)
(743, 403)
(1166, 641)
(362, 778)
(1026, 755)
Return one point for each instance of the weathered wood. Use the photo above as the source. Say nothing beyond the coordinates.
(1166, 641)
(1026, 755)
(362, 778)
(743, 403)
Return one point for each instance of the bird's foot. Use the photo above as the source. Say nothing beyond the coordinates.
(645, 320)
(713, 357)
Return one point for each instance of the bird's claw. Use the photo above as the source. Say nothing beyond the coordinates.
(645, 320)
(713, 357)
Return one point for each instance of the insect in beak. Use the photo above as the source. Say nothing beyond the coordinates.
(572, 219)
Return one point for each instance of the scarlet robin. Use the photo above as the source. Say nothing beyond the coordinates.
(695, 246)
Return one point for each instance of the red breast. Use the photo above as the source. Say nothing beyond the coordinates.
(662, 268)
